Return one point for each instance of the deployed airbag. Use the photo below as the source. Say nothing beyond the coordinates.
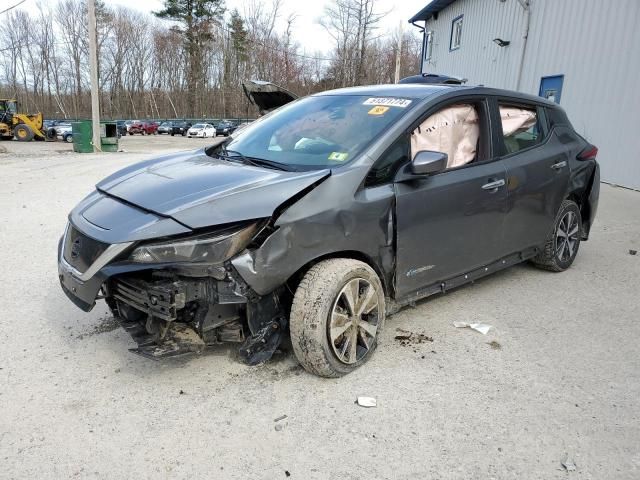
(453, 130)
(515, 120)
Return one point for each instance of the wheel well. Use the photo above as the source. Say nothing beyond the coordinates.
(580, 197)
(295, 279)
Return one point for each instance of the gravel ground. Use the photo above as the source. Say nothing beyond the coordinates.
(557, 377)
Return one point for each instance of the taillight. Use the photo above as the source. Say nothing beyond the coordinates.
(588, 153)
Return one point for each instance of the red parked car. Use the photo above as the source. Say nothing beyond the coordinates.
(150, 128)
(143, 128)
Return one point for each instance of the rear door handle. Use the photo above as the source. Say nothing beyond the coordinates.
(493, 185)
(559, 165)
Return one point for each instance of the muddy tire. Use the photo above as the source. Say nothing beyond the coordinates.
(23, 133)
(337, 313)
(563, 242)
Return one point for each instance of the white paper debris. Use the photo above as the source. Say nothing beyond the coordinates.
(367, 402)
(569, 465)
(483, 328)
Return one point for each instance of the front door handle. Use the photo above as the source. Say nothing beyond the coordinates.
(493, 185)
(559, 165)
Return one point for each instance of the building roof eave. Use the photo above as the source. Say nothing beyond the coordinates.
(430, 10)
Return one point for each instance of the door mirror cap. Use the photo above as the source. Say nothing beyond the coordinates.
(426, 162)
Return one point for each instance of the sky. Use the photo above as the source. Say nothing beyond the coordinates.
(311, 36)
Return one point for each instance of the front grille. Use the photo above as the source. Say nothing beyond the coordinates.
(80, 251)
(162, 299)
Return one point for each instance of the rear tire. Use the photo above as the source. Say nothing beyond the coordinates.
(337, 313)
(23, 133)
(68, 138)
(563, 242)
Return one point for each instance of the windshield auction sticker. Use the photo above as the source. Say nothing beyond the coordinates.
(378, 110)
(388, 102)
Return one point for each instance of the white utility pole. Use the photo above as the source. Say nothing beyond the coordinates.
(399, 54)
(93, 67)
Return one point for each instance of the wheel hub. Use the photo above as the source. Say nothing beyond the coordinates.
(567, 236)
(353, 321)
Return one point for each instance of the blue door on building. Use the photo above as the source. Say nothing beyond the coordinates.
(551, 87)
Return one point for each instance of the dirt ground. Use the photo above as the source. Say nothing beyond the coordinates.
(557, 377)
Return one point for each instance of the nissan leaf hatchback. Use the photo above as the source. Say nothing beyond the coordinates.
(328, 214)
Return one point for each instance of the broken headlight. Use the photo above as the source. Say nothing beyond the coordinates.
(207, 248)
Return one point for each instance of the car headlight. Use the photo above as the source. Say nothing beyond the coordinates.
(207, 248)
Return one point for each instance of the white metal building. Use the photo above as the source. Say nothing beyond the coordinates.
(584, 54)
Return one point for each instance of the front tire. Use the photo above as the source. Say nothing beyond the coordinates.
(564, 241)
(338, 310)
(23, 133)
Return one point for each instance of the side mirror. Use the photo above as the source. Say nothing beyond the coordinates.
(426, 162)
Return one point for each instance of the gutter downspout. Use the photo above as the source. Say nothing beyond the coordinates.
(422, 29)
(526, 5)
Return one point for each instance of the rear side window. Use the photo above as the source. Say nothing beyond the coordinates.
(557, 116)
(520, 127)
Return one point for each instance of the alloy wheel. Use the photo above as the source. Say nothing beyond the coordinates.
(354, 321)
(567, 236)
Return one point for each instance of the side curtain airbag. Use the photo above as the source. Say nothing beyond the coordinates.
(516, 120)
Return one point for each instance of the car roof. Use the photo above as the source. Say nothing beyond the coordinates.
(422, 91)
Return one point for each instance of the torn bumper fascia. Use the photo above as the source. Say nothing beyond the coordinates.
(594, 197)
(83, 289)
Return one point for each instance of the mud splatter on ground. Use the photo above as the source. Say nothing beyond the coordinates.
(107, 324)
(405, 337)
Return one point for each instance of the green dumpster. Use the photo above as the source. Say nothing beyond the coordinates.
(82, 136)
(109, 137)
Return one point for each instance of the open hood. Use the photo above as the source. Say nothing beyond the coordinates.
(200, 191)
(266, 95)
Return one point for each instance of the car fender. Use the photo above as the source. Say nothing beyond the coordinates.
(329, 220)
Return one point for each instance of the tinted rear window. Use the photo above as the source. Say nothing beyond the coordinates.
(557, 116)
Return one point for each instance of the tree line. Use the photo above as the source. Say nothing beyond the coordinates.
(190, 58)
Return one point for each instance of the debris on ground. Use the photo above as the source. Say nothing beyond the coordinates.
(367, 402)
(405, 337)
(279, 427)
(633, 252)
(282, 417)
(286, 472)
(569, 465)
(495, 345)
(483, 328)
(181, 392)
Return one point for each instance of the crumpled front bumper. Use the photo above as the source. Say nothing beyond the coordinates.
(83, 288)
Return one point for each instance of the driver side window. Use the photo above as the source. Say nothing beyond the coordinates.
(385, 168)
(454, 130)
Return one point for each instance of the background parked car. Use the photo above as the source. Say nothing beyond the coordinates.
(180, 128)
(136, 126)
(203, 130)
(63, 131)
(121, 127)
(165, 127)
(149, 128)
(225, 128)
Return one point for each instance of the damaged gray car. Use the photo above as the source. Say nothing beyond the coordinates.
(328, 214)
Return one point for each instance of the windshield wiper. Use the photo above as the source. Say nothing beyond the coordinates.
(256, 162)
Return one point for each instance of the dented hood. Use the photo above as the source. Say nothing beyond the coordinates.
(200, 191)
(266, 95)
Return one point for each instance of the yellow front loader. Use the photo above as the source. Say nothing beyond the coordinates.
(25, 127)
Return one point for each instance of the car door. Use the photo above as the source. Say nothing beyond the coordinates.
(537, 165)
(451, 222)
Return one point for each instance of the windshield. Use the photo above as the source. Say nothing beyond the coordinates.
(319, 132)
(198, 125)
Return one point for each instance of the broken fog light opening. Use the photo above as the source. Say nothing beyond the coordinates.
(207, 248)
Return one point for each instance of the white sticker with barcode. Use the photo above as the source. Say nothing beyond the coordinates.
(388, 102)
